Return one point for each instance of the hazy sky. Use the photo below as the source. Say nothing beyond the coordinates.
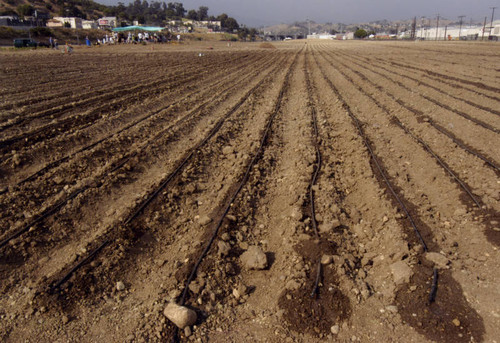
(268, 12)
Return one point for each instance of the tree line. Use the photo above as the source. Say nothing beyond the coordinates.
(153, 13)
(159, 12)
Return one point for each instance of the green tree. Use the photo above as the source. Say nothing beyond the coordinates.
(192, 14)
(202, 13)
(25, 10)
(228, 23)
(360, 33)
(179, 9)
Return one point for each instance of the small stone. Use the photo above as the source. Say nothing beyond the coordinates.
(179, 315)
(329, 226)
(292, 285)
(335, 329)
(187, 331)
(224, 248)
(120, 286)
(392, 308)
(65, 319)
(439, 260)
(227, 150)
(236, 293)
(460, 212)
(326, 259)
(195, 287)
(204, 220)
(254, 258)
(385, 219)
(401, 272)
(456, 322)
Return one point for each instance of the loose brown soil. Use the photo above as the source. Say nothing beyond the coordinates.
(156, 168)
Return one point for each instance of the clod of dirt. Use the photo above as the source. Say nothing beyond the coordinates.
(335, 329)
(120, 286)
(240, 291)
(179, 315)
(227, 150)
(439, 260)
(326, 259)
(401, 272)
(224, 248)
(266, 46)
(204, 220)
(254, 258)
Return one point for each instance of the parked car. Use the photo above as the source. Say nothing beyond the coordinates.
(25, 43)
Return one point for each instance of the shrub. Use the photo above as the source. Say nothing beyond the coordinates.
(40, 31)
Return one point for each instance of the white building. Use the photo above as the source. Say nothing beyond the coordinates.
(107, 22)
(321, 36)
(454, 32)
(89, 24)
(75, 23)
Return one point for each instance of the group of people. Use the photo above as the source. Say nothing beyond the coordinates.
(121, 38)
(66, 48)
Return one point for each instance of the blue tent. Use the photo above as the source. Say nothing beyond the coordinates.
(137, 27)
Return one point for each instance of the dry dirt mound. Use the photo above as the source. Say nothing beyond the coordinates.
(266, 45)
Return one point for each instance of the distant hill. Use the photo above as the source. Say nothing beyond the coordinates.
(378, 26)
(86, 9)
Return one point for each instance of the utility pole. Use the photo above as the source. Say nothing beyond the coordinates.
(484, 27)
(422, 27)
(460, 30)
(492, 14)
(413, 28)
(437, 26)
(445, 31)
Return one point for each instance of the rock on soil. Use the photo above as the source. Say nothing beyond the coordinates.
(204, 220)
(120, 286)
(401, 272)
(179, 315)
(254, 258)
(440, 261)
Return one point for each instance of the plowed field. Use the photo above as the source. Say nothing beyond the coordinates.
(368, 173)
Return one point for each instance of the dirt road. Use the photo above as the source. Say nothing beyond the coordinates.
(366, 172)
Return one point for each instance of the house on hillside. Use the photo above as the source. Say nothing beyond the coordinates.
(54, 23)
(89, 24)
(73, 22)
(107, 22)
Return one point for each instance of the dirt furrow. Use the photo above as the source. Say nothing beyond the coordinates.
(270, 76)
(119, 99)
(426, 322)
(485, 214)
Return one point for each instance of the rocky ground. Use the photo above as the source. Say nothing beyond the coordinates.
(295, 192)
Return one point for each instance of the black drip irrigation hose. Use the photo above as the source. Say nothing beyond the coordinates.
(432, 294)
(464, 186)
(160, 188)
(317, 169)
(44, 215)
(441, 162)
(242, 183)
(433, 291)
(91, 145)
(66, 277)
(463, 146)
(163, 184)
